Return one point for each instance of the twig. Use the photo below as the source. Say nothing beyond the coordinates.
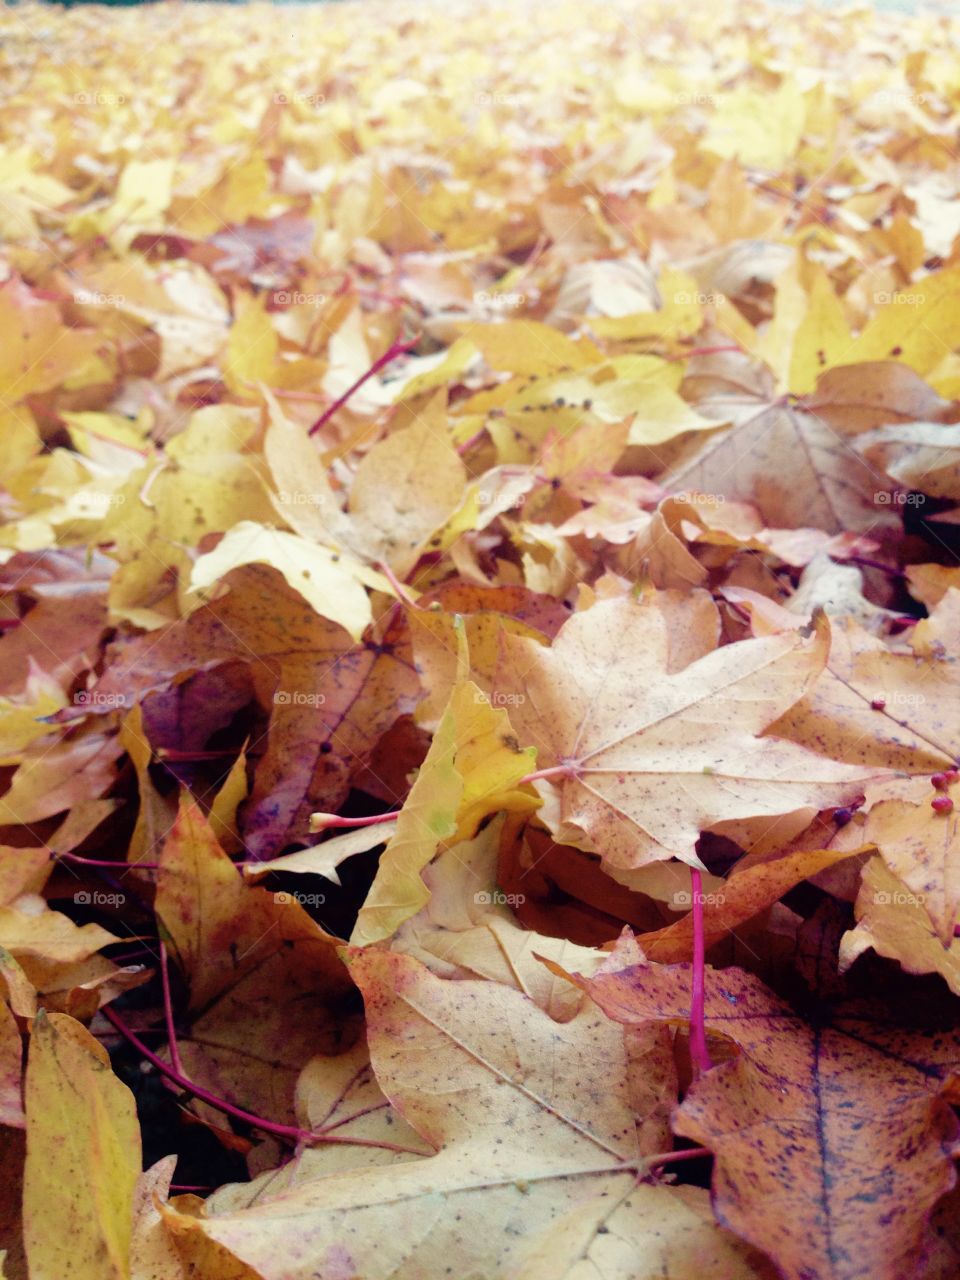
(399, 587)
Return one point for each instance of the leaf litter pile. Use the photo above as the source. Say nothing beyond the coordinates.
(480, 643)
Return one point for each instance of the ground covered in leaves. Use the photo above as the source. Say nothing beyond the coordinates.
(479, 643)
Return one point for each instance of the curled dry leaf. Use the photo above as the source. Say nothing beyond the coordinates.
(745, 894)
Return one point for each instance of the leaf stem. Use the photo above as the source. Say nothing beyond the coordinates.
(555, 771)
(168, 1010)
(246, 1117)
(401, 588)
(865, 562)
(674, 1157)
(176, 755)
(699, 1053)
(324, 821)
(113, 865)
(396, 349)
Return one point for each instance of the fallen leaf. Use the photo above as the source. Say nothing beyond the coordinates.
(82, 1133)
(650, 765)
(895, 922)
(743, 895)
(512, 1135)
(243, 949)
(405, 489)
(474, 767)
(323, 577)
(809, 1167)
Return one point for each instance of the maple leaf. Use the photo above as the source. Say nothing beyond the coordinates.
(465, 421)
(515, 1132)
(43, 354)
(482, 612)
(881, 705)
(467, 928)
(836, 486)
(328, 700)
(318, 573)
(917, 455)
(920, 845)
(338, 1096)
(405, 489)
(58, 772)
(810, 1169)
(47, 579)
(652, 758)
(246, 952)
(833, 489)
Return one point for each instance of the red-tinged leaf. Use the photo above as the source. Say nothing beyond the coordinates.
(328, 699)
